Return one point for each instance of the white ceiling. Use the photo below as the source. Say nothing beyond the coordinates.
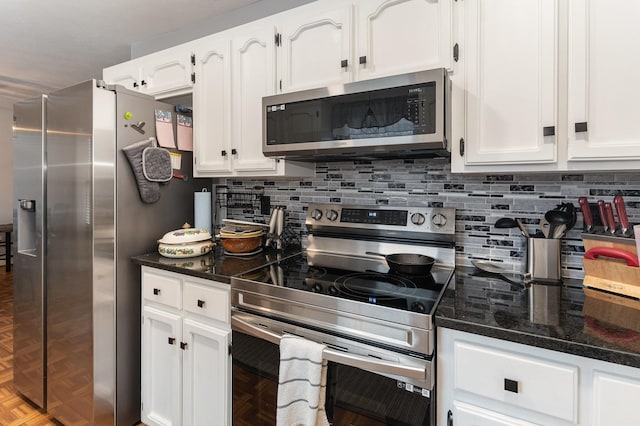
(50, 44)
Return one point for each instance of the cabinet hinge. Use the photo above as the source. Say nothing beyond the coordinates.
(278, 39)
(193, 77)
(229, 349)
(461, 147)
(193, 59)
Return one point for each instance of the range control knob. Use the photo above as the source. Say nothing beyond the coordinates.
(439, 220)
(317, 288)
(316, 214)
(418, 307)
(417, 218)
(333, 290)
(332, 215)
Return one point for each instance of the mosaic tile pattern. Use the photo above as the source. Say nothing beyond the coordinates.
(479, 200)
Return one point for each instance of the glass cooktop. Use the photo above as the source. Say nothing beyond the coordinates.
(365, 282)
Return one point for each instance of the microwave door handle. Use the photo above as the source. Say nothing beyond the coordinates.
(374, 365)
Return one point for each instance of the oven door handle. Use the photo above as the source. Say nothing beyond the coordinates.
(374, 365)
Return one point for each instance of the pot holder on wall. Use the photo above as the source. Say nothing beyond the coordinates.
(156, 164)
(149, 191)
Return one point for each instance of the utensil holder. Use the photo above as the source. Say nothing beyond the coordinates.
(544, 258)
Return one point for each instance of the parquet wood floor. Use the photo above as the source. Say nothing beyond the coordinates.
(14, 410)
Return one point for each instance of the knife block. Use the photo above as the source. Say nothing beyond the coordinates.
(607, 273)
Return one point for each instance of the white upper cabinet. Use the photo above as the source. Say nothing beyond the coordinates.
(127, 74)
(168, 72)
(316, 48)
(233, 71)
(545, 86)
(398, 36)
(603, 80)
(335, 42)
(508, 82)
(254, 66)
(162, 74)
(211, 106)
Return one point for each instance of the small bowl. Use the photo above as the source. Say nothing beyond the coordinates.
(241, 245)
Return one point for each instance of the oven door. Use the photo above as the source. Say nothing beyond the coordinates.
(383, 388)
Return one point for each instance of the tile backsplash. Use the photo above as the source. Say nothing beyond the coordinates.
(479, 200)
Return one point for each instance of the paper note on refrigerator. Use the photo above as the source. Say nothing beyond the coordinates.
(185, 133)
(164, 129)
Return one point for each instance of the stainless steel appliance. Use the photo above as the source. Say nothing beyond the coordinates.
(377, 324)
(79, 219)
(399, 116)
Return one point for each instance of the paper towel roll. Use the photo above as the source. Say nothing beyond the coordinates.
(202, 209)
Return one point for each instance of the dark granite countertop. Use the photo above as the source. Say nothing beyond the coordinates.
(563, 318)
(216, 265)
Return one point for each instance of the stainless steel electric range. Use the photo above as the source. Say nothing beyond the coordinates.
(377, 324)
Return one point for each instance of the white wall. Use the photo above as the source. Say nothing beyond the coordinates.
(6, 165)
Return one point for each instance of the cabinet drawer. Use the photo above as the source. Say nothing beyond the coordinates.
(161, 288)
(532, 383)
(208, 301)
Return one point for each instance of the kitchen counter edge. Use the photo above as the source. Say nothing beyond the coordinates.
(461, 308)
(210, 263)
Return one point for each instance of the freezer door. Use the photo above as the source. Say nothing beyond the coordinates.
(28, 218)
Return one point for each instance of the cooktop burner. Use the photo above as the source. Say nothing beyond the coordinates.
(417, 293)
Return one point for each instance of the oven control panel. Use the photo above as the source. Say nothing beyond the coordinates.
(404, 219)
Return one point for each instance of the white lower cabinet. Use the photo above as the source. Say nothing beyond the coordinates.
(186, 376)
(615, 399)
(483, 381)
(466, 414)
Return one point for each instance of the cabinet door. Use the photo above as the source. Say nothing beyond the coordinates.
(603, 74)
(211, 107)
(167, 72)
(316, 49)
(510, 81)
(126, 74)
(161, 367)
(253, 69)
(207, 374)
(469, 415)
(398, 36)
(615, 400)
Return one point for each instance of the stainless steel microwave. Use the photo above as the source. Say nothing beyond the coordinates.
(403, 116)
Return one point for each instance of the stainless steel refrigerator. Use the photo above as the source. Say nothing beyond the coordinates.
(79, 218)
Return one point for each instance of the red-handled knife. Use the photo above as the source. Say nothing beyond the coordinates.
(621, 210)
(611, 221)
(603, 216)
(586, 213)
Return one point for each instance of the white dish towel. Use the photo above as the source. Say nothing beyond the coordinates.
(302, 383)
